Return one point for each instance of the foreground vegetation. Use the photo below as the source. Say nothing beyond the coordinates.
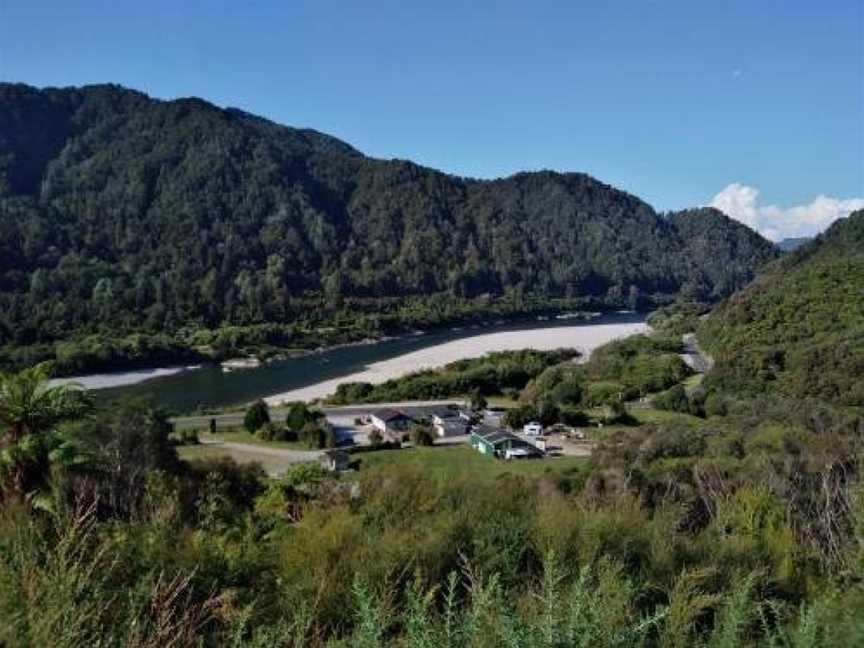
(745, 529)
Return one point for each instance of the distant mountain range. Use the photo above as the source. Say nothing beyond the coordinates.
(798, 329)
(123, 214)
(789, 244)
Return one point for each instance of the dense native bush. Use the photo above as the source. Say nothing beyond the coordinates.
(677, 399)
(299, 415)
(474, 377)
(616, 373)
(221, 231)
(798, 330)
(642, 364)
(677, 319)
(673, 400)
(117, 448)
(562, 384)
(516, 417)
(257, 415)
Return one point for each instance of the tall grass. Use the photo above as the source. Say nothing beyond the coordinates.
(594, 609)
(62, 584)
(59, 588)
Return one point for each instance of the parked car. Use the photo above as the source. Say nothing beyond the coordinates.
(532, 429)
(522, 452)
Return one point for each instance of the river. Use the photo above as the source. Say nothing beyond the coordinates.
(317, 374)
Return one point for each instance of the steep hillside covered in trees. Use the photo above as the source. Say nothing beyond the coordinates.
(120, 215)
(799, 328)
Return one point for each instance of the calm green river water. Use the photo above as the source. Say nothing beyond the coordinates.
(209, 386)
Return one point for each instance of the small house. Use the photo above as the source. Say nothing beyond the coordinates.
(501, 444)
(451, 427)
(335, 460)
(389, 421)
(443, 415)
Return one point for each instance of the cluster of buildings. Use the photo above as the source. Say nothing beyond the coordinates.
(484, 429)
(446, 421)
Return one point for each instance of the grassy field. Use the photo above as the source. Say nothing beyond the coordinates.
(272, 464)
(502, 401)
(442, 461)
(196, 452)
(641, 416)
(651, 415)
(252, 450)
(241, 435)
(453, 461)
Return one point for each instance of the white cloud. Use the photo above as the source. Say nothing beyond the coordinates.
(740, 202)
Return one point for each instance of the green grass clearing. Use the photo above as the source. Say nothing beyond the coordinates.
(272, 465)
(445, 462)
(459, 461)
(652, 415)
(241, 435)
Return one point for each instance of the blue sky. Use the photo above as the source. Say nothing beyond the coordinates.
(673, 101)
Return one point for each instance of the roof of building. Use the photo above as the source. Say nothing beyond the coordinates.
(457, 422)
(483, 429)
(494, 436)
(448, 425)
(388, 414)
(444, 412)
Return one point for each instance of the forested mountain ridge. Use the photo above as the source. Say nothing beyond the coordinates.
(798, 329)
(121, 214)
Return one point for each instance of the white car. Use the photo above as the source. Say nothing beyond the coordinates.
(521, 453)
(532, 429)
